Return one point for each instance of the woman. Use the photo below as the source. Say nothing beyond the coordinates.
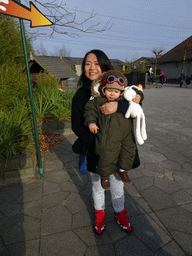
(94, 64)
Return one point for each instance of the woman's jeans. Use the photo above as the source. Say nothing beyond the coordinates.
(116, 189)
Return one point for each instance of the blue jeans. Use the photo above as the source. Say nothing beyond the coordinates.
(82, 163)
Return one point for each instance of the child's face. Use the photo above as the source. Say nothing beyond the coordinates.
(112, 94)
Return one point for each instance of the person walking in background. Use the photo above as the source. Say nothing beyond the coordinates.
(94, 64)
(161, 78)
(134, 76)
(188, 80)
(182, 79)
(150, 75)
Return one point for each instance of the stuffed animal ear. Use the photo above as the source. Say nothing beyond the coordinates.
(95, 90)
(136, 88)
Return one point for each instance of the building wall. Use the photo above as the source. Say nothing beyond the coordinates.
(188, 68)
(71, 84)
(174, 69)
(78, 69)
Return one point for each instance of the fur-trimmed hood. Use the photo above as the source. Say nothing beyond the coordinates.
(103, 81)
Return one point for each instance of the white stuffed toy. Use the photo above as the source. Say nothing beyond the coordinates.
(136, 111)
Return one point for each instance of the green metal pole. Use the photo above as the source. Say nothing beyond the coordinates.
(31, 97)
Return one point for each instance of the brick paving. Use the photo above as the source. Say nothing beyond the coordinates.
(55, 215)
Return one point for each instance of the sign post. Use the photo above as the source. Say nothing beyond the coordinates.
(15, 9)
(31, 98)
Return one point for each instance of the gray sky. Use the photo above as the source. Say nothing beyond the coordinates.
(137, 27)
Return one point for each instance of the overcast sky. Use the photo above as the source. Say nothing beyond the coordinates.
(137, 27)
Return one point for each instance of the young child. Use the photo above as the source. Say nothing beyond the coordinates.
(115, 143)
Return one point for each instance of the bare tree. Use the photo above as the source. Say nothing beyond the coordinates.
(63, 52)
(134, 57)
(40, 50)
(62, 18)
(126, 61)
(158, 53)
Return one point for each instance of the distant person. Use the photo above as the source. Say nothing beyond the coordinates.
(150, 75)
(188, 80)
(182, 79)
(134, 76)
(161, 78)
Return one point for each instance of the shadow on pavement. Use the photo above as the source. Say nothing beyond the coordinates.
(149, 236)
(20, 217)
(12, 233)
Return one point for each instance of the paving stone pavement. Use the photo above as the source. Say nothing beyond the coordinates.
(55, 215)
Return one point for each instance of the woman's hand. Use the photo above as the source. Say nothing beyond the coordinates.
(109, 108)
(137, 99)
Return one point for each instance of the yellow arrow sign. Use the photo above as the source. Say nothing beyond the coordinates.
(15, 9)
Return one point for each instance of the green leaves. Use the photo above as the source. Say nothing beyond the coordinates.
(11, 47)
(15, 131)
(16, 123)
(52, 103)
(13, 84)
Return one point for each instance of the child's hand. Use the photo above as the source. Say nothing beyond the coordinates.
(93, 128)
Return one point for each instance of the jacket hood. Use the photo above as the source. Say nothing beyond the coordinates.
(110, 79)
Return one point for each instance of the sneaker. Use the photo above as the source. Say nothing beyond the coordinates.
(99, 222)
(105, 182)
(123, 176)
(124, 223)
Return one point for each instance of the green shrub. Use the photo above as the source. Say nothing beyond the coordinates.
(15, 131)
(11, 46)
(127, 71)
(62, 108)
(67, 98)
(51, 103)
(45, 99)
(143, 69)
(47, 80)
(13, 84)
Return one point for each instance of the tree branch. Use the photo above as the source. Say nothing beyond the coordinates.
(62, 18)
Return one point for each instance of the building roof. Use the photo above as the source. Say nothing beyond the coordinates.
(61, 67)
(149, 60)
(118, 64)
(72, 61)
(178, 52)
(55, 66)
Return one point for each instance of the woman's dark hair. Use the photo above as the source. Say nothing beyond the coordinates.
(104, 64)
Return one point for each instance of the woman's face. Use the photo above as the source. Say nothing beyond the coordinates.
(92, 68)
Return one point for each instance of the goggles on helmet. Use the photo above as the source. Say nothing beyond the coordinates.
(112, 79)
